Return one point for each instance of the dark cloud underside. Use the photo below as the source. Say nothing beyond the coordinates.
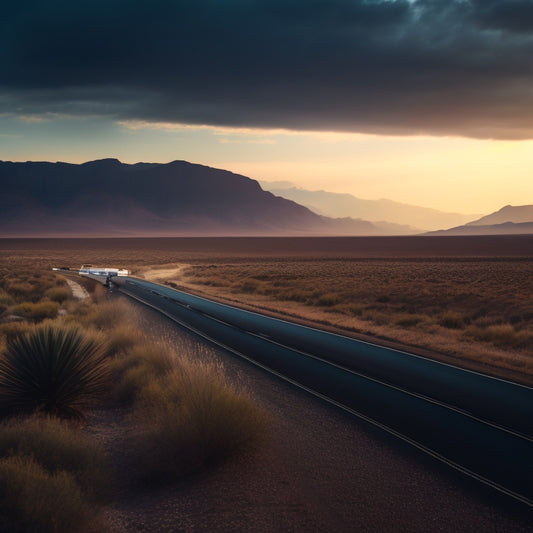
(429, 66)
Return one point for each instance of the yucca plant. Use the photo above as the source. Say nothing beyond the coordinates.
(52, 369)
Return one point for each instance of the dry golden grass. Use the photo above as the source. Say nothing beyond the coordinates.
(53, 477)
(192, 418)
(37, 311)
(58, 294)
(58, 445)
(480, 312)
(134, 368)
(35, 499)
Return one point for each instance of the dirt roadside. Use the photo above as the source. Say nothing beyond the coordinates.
(321, 471)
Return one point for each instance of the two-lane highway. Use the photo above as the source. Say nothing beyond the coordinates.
(480, 425)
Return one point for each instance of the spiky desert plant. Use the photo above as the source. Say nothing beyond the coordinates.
(52, 369)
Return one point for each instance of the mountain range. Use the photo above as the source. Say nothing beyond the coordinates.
(109, 198)
(326, 203)
(509, 220)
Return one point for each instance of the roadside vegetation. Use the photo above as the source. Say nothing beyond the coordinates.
(191, 419)
(63, 358)
(52, 369)
(478, 312)
(52, 476)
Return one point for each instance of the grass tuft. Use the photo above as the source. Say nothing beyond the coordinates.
(58, 294)
(59, 446)
(131, 372)
(123, 338)
(21, 289)
(105, 315)
(192, 419)
(34, 499)
(501, 335)
(37, 311)
(328, 300)
(407, 320)
(451, 320)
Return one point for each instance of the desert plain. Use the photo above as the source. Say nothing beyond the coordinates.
(462, 300)
(466, 301)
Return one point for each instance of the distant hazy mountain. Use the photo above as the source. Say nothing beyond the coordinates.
(345, 205)
(507, 228)
(108, 197)
(509, 220)
(509, 213)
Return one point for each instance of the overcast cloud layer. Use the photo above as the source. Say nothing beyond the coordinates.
(430, 66)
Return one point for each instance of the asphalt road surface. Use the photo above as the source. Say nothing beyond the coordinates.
(476, 424)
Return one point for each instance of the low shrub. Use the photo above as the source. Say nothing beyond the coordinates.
(56, 370)
(79, 311)
(127, 388)
(408, 320)
(248, 285)
(21, 289)
(122, 338)
(58, 446)
(295, 295)
(191, 419)
(33, 499)
(132, 371)
(451, 320)
(37, 311)
(328, 300)
(58, 294)
(107, 314)
(503, 335)
(5, 298)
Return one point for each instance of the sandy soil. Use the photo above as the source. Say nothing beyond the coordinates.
(162, 274)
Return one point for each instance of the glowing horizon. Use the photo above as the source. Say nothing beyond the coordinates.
(453, 174)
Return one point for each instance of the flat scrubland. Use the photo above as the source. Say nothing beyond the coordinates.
(474, 313)
(464, 300)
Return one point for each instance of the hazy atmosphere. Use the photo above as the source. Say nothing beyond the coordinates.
(425, 102)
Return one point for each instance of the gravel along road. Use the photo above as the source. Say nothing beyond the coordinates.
(321, 470)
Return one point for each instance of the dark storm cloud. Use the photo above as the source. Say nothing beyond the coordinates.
(429, 66)
(509, 15)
